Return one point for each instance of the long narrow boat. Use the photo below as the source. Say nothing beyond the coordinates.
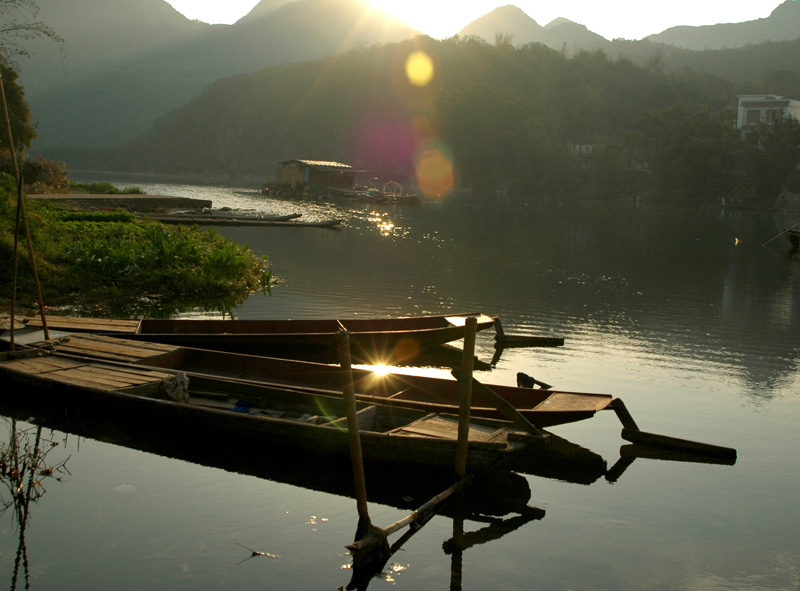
(207, 220)
(376, 340)
(542, 408)
(224, 215)
(794, 239)
(213, 406)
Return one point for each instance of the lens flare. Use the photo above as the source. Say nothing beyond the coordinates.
(434, 171)
(419, 68)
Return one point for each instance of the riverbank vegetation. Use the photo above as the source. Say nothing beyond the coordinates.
(115, 261)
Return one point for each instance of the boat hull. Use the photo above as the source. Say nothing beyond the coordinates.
(304, 422)
(543, 408)
(383, 340)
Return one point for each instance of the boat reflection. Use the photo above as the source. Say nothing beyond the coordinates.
(499, 501)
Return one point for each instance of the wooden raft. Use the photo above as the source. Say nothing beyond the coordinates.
(75, 324)
(88, 375)
(110, 348)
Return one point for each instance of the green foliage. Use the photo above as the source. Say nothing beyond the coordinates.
(94, 216)
(44, 176)
(688, 152)
(19, 115)
(111, 257)
(772, 154)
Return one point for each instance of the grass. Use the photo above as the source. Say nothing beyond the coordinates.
(114, 260)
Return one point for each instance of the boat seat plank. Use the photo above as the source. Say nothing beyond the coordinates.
(125, 376)
(104, 378)
(111, 348)
(435, 425)
(123, 342)
(40, 365)
(564, 401)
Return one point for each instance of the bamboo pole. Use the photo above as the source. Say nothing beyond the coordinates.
(21, 213)
(465, 390)
(356, 457)
(781, 233)
(503, 406)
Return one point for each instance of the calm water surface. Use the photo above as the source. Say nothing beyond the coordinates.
(659, 306)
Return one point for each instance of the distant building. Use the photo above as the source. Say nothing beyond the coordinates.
(317, 172)
(582, 158)
(764, 108)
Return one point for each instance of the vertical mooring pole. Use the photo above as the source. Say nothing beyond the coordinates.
(20, 212)
(343, 345)
(465, 391)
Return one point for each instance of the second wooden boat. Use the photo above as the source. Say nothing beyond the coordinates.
(375, 340)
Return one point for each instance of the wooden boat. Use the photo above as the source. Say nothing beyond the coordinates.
(423, 402)
(542, 408)
(794, 239)
(208, 406)
(381, 340)
(220, 220)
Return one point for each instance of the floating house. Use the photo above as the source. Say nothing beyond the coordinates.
(317, 172)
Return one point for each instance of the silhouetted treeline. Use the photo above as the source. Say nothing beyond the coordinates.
(506, 117)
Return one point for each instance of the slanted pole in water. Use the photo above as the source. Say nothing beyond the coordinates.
(632, 433)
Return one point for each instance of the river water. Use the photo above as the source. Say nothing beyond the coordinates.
(683, 314)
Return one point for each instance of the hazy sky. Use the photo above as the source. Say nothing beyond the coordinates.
(629, 19)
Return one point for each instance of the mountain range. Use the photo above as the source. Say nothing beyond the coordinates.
(128, 62)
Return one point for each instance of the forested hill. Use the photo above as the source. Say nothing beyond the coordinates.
(503, 114)
(127, 62)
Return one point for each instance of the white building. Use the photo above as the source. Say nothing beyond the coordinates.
(757, 108)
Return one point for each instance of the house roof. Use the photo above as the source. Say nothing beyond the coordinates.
(325, 164)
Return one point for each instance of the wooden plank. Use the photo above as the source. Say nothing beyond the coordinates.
(112, 375)
(105, 378)
(145, 372)
(112, 348)
(40, 365)
(445, 428)
(144, 345)
(115, 325)
(566, 401)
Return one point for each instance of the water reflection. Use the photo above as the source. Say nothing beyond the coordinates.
(24, 470)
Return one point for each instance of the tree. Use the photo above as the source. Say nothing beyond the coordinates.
(772, 153)
(19, 114)
(18, 24)
(691, 153)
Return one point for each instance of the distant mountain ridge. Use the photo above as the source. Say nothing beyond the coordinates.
(129, 62)
(783, 24)
(559, 34)
(142, 58)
